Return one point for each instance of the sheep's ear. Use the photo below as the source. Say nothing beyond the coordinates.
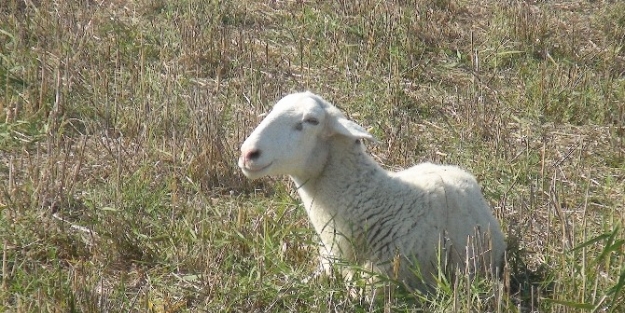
(348, 128)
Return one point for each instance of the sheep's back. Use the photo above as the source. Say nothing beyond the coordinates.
(449, 209)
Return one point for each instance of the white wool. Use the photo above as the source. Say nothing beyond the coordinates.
(392, 223)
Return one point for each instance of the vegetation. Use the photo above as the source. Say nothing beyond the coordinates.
(120, 123)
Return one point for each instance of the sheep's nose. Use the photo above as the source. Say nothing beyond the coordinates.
(251, 155)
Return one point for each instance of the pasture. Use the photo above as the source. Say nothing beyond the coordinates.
(121, 122)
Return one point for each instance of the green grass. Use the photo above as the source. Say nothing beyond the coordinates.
(120, 124)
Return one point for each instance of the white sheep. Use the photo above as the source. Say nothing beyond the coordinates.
(405, 225)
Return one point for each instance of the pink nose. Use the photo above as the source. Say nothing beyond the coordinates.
(250, 155)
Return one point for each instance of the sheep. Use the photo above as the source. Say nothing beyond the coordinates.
(405, 225)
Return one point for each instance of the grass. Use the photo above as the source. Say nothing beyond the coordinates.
(121, 123)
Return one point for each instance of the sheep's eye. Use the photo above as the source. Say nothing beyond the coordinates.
(312, 121)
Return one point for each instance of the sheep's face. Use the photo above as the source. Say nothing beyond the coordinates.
(285, 139)
(291, 140)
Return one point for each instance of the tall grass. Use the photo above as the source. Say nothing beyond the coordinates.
(121, 122)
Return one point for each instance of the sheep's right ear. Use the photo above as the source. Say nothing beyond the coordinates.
(348, 128)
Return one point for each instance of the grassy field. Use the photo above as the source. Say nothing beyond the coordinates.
(120, 123)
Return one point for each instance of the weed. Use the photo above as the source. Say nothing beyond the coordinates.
(120, 124)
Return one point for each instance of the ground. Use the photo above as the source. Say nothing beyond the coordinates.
(122, 120)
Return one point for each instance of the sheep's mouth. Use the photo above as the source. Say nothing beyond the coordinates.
(257, 168)
(250, 170)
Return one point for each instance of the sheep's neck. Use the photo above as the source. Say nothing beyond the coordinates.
(346, 164)
(348, 170)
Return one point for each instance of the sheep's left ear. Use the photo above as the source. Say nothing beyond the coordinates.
(348, 128)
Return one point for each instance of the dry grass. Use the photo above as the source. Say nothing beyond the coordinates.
(121, 123)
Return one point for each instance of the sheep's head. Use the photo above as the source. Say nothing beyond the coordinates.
(292, 138)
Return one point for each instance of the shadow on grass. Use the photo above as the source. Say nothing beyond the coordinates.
(526, 284)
